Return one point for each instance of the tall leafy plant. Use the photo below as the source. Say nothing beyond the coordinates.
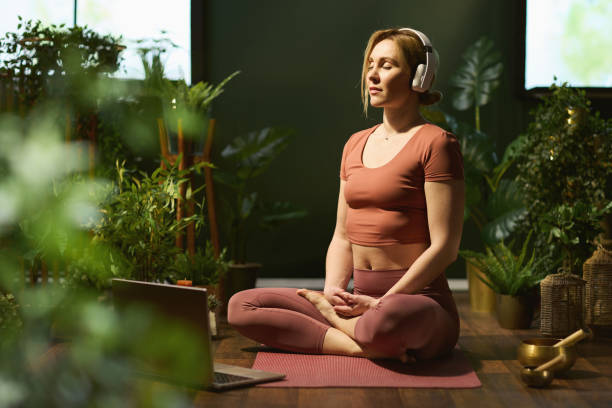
(492, 202)
(565, 172)
(192, 104)
(139, 220)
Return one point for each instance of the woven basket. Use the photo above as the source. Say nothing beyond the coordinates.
(561, 311)
(597, 272)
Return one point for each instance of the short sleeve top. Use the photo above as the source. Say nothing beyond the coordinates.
(386, 204)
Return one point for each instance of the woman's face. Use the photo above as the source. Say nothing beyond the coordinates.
(388, 83)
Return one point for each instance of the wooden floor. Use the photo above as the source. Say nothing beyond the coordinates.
(492, 351)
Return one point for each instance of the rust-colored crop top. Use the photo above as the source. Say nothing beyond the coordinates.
(386, 204)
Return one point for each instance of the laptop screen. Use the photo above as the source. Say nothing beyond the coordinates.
(178, 348)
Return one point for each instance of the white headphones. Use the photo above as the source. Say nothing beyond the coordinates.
(424, 74)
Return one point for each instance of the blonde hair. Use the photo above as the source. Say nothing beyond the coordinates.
(413, 52)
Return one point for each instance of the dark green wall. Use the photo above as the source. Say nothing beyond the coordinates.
(300, 63)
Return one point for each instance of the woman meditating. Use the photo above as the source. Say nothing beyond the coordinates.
(399, 224)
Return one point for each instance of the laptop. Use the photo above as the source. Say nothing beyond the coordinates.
(189, 306)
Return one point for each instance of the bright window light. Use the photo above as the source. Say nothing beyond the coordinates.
(141, 19)
(569, 39)
(49, 12)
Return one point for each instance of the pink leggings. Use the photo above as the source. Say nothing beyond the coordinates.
(425, 325)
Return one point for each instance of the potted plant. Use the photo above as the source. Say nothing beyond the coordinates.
(246, 158)
(190, 105)
(512, 278)
(139, 222)
(202, 268)
(205, 270)
(565, 174)
(567, 226)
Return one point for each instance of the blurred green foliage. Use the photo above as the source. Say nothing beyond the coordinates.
(47, 208)
(62, 344)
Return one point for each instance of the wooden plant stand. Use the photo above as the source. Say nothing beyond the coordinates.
(187, 159)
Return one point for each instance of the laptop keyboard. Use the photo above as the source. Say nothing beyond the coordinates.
(223, 378)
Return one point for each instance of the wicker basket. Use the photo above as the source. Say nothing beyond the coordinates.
(597, 272)
(562, 311)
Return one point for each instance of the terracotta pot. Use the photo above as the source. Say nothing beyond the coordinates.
(514, 312)
(482, 297)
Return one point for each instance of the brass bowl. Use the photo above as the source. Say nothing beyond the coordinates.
(538, 379)
(533, 352)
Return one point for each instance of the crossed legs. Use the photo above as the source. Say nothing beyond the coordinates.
(304, 321)
(340, 338)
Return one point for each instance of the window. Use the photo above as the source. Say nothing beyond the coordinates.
(133, 20)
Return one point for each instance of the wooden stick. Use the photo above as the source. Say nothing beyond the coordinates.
(163, 141)
(210, 194)
(44, 272)
(573, 338)
(10, 95)
(191, 226)
(34, 272)
(550, 363)
(179, 206)
(190, 203)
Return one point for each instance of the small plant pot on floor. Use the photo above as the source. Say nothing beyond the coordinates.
(514, 312)
(240, 277)
(482, 297)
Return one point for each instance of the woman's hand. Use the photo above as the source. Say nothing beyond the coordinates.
(355, 305)
(333, 295)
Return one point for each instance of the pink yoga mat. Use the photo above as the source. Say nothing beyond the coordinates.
(310, 370)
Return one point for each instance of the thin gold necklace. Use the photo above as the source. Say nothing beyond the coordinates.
(386, 136)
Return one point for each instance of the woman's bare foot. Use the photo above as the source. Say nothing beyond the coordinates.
(322, 304)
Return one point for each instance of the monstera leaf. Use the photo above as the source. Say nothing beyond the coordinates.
(478, 77)
(252, 154)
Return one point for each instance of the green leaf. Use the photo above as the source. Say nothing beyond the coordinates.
(253, 154)
(478, 77)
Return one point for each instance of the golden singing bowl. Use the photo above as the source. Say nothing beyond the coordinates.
(533, 352)
(537, 379)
